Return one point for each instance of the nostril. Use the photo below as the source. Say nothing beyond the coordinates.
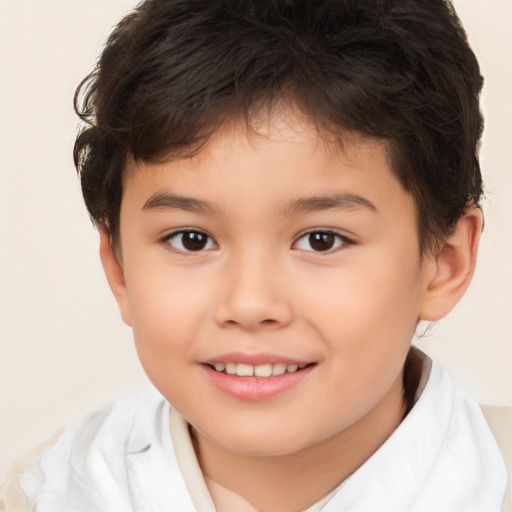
(268, 321)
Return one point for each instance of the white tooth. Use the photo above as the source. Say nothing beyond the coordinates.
(231, 368)
(244, 370)
(263, 370)
(278, 369)
(219, 367)
(292, 368)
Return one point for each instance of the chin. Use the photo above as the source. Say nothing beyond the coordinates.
(279, 440)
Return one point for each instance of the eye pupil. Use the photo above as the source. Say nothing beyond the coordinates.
(194, 241)
(321, 241)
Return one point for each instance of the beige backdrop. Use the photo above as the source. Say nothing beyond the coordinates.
(63, 347)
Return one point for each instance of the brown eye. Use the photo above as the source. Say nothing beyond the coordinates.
(320, 241)
(190, 241)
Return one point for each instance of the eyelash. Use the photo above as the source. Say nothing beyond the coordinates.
(339, 240)
(183, 249)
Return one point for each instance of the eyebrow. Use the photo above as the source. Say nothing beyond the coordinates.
(343, 200)
(165, 201)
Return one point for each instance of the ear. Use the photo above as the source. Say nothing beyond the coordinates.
(449, 271)
(115, 276)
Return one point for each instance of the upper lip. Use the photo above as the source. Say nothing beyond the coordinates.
(255, 359)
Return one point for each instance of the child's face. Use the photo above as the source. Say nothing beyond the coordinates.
(279, 249)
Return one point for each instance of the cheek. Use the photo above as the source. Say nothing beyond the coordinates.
(366, 307)
(165, 316)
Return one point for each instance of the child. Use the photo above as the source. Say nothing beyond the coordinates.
(283, 190)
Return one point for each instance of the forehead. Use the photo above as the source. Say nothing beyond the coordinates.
(277, 157)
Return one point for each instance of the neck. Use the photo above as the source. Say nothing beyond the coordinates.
(297, 480)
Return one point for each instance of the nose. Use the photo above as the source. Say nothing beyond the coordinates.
(253, 295)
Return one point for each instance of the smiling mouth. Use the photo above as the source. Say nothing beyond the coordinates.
(261, 371)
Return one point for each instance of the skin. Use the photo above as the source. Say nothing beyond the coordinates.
(259, 285)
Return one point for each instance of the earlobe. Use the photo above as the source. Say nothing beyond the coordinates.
(115, 275)
(448, 273)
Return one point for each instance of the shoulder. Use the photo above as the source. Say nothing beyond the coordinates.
(489, 427)
(12, 495)
(499, 420)
(86, 455)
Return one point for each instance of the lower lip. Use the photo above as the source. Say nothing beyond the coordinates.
(256, 388)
